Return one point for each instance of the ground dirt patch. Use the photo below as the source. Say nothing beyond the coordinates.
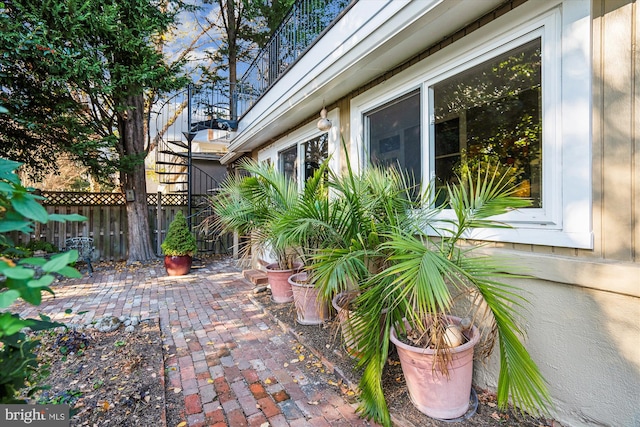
(108, 378)
(325, 341)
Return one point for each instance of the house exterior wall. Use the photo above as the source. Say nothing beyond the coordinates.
(584, 320)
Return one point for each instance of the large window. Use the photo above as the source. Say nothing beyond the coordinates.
(492, 113)
(393, 132)
(517, 92)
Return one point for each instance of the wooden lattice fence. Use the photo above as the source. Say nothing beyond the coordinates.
(107, 221)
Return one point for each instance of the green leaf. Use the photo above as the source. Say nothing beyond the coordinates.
(11, 324)
(31, 295)
(70, 272)
(8, 166)
(26, 205)
(67, 217)
(24, 226)
(42, 282)
(5, 187)
(33, 261)
(58, 262)
(18, 273)
(8, 297)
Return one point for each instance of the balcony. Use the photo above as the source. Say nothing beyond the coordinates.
(305, 23)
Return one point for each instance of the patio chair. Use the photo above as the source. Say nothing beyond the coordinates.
(85, 248)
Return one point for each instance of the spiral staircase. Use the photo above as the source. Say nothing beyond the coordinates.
(191, 124)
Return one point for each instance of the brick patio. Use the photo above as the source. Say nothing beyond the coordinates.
(231, 360)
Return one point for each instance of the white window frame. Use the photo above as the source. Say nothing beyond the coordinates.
(299, 137)
(565, 218)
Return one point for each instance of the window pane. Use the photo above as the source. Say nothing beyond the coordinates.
(493, 112)
(316, 151)
(289, 162)
(394, 135)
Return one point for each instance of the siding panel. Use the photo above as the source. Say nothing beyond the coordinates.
(617, 122)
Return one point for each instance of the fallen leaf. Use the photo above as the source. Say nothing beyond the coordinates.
(177, 390)
(268, 380)
(495, 416)
(313, 402)
(182, 424)
(301, 357)
(210, 381)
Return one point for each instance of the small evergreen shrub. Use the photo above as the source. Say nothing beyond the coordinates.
(179, 240)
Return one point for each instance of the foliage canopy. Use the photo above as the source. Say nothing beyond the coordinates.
(68, 71)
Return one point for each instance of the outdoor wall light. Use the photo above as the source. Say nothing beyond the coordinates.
(324, 124)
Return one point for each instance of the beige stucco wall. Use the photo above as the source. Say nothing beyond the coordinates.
(585, 343)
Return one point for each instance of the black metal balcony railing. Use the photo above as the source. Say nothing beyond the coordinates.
(304, 24)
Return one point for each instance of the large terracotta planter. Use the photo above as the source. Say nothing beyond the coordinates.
(346, 317)
(310, 308)
(177, 265)
(431, 391)
(281, 291)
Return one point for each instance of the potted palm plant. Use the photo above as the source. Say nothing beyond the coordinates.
(305, 228)
(251, 206)
(430, 267)
(178, 247)
(365, 207)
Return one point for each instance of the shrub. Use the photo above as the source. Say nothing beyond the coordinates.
(179, 240)
(41, 245)
(26, 279)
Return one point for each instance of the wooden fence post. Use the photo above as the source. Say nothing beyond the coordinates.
(159, 224)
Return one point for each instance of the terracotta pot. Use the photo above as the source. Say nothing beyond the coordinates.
(431, 391)
(310, 308)
(345, 317)
(177, 265)
(279, 282)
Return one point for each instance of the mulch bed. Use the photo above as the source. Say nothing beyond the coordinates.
(108, 378)
(325, 341)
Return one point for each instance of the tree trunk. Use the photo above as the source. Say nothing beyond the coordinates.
(133, 178)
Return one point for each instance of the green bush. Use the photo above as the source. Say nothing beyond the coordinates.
(41, 245)
(179, 240)
(26, 279)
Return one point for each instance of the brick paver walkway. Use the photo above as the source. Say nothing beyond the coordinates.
(230, 358)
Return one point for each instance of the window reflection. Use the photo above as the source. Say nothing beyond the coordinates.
(394, 135)
(493, 112)
(289, 162)
(316, 151)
